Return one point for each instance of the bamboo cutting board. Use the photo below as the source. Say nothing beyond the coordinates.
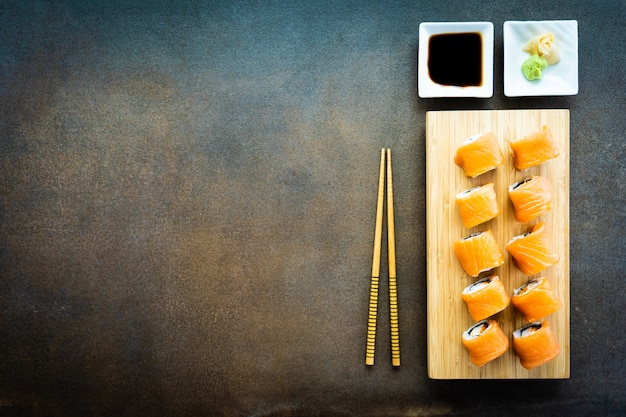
(448, 317)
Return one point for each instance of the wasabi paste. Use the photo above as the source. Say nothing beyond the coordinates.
(533, 67)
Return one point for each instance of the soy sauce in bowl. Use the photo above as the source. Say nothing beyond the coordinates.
(456, 59)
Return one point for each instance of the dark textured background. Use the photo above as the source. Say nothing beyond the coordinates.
(187, 194)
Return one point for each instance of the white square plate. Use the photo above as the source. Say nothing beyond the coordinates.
(560, 79)
(427, 88)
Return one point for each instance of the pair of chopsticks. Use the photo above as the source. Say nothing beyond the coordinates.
(391, 252)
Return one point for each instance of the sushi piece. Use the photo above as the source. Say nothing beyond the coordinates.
(531, 197)
(485, 341)
(477, 205)
(479, 154)
(478, 253)
(534, 149)
(536, 299)
(533, 251)
(485, 297)
(535, 344)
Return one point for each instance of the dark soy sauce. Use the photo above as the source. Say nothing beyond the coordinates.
(456, 59)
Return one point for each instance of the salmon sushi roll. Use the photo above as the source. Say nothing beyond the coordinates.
(536, 299)
(485, 341)
(477, 205)
(478, 253)
(535, 344)
(485, 297)
(533, 251)
(531, 197)
(479, 154)
(534, 149)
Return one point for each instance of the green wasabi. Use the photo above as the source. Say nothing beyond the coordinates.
(533, 67)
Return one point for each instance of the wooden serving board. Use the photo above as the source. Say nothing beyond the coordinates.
(448, 317)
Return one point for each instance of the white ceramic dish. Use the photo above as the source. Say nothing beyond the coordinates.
(560, 79)
(427, 88)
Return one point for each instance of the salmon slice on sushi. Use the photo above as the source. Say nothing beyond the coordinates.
(485, 341)
(485, 297)
(536, 299)
(477, 205)
(533, 251)
(534, 149)
(535, 344)
(531, 198)
(478, 252)
(479, 154)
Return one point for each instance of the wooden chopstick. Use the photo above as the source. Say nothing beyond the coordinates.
(378, 232)
(385, 156)
(391, 255)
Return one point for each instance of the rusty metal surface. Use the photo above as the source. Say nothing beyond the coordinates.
(187, 197)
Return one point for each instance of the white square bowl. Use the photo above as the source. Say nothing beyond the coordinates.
(560, 79)
(427, 88)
